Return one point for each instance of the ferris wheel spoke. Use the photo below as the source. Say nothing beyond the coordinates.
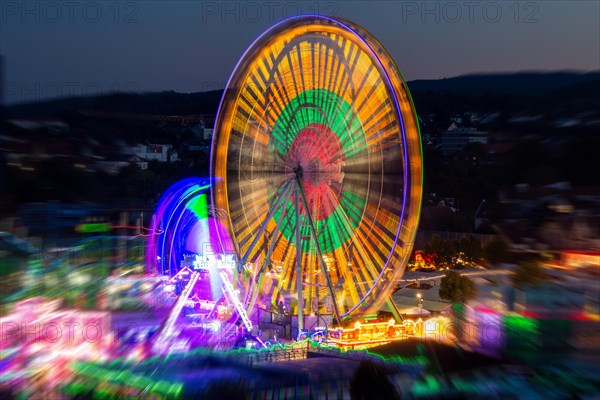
(298, 53)
(283, 95)
(299, 259)
(273, 240)
(378, 116)
(295, 84)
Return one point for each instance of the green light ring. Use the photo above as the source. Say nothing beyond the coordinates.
(333, 118)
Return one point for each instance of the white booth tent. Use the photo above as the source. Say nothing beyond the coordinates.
(415, 312)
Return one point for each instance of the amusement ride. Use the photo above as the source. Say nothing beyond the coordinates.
(315, 188)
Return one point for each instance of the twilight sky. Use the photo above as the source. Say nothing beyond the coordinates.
(57, 48)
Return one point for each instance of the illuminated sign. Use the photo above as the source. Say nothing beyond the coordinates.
(94, 227)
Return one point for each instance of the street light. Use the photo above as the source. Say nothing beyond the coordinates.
(420, 303)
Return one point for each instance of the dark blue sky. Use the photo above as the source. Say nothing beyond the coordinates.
(57, 48)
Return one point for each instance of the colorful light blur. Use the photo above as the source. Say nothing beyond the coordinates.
(191, 250)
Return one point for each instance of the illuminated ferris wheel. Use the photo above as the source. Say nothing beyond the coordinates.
(318, 155)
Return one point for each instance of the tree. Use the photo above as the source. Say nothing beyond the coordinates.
(529, 272)
(443, 250)
(457, 288)
(495, 251)
(471, 248)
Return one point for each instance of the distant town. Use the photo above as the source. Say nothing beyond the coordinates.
(509, 225)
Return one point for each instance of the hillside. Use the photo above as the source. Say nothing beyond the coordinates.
(469, 91)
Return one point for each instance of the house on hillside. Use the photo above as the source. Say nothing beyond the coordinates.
(113, 164)
(150, 152)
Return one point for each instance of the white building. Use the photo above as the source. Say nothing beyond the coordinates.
(115, 164)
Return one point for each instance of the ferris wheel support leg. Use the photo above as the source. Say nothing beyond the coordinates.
(258, 277)
(283, 195)
(299, 282)
(272, 244)
(313, 233)
(392, 306)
